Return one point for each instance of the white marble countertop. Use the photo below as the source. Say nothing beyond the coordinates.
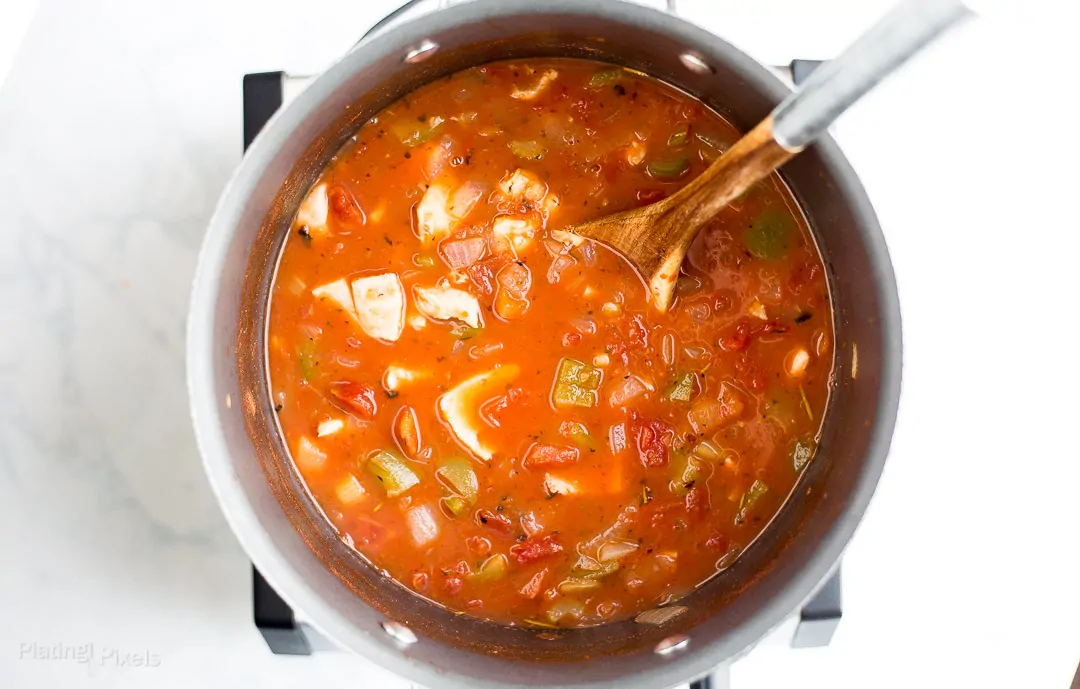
(119, 126)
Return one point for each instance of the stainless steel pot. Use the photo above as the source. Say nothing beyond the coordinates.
(282, 529)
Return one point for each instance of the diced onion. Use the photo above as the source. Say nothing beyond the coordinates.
(572, 586)
(796, 362)
(611, 309)
(617, 438)
(615, 550)
(422, 526)
(628, 390)
(330, 427)
(462, 253)
(349, 491)
(309, 456)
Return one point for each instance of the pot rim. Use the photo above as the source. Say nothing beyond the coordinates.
(202, 340)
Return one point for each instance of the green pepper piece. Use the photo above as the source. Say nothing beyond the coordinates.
(464, 332)
(456, 505)
(576, 384)
(415, 132)
(590, 574)
(683, 388)
(579, 434)
(493, 569)
(679, 136)
(686, 471)
(458, 475)
(802, 453)
(751, 496)
(605, 77)
(669, 168)
(396, 476)
(527, 150)
(769, 235)
(308, 361)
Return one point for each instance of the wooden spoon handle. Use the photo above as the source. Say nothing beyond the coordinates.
(750, 160)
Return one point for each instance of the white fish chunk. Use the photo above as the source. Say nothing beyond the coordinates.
(338, 293)
(314, 210)
(445, 303)
(522, 184)
(460, 406)
(440, 211)
(517, 233)
(380, 305)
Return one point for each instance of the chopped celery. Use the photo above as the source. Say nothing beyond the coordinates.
(308, 361)
(493, 569)
(527, 150)
(679, 136)
(579, 434)
(802, 453)
(571, 586)
(708, 451)
(683, 388)
(396, 476)
(589, 574)
(751, 496)
(686, 471)
(669, 168)
(464, 332)
(576, 384)
(456, 505)
(769, 234)
(458, 475)
(415, 132)
(605, 77)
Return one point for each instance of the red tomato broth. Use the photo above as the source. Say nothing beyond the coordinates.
(583, 514)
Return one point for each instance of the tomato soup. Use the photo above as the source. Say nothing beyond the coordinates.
(485, 406)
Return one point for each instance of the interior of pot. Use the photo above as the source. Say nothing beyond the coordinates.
(350, 598)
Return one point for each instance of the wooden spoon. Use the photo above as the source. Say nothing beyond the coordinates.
(655, 238)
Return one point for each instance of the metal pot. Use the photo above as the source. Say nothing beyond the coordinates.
(281, 527)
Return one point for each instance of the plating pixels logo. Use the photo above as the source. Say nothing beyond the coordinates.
(89, 654)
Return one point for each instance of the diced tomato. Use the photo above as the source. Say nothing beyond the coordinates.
(420, 581)
(498, 523)
(453, 584)
(697, 501)
(406, 431)
(653, 439)
(344, 206)
(356, 398)
(460, 567)
(482, 273)
(493, 410)
(550, 455)
(639, 335)
(571, 339)
(747, 329)
(535, 549)
(533, 586)
(478, 545)
(718, 541)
